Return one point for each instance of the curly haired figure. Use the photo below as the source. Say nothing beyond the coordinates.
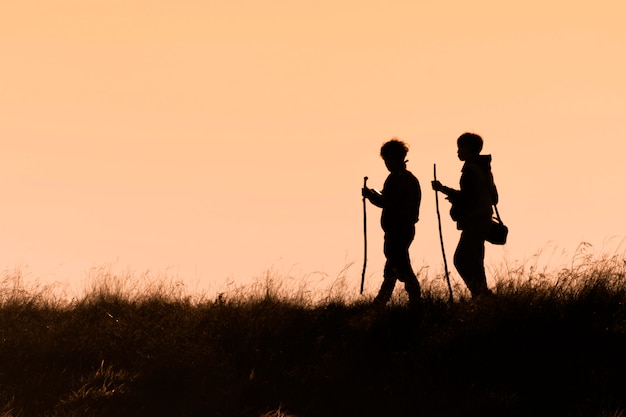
(400, 202)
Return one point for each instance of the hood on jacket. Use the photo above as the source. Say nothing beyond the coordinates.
(484, 162)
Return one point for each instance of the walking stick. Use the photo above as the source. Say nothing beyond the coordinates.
(443, 251)
(364, 238)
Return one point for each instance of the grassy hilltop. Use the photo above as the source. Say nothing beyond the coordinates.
(543, 346)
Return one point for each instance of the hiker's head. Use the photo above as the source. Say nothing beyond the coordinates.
(469, 145)
(393, 153)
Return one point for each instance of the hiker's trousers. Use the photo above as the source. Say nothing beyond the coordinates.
(398, 265)
(469, 257)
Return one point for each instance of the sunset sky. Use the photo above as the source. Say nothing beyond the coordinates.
(216, 139)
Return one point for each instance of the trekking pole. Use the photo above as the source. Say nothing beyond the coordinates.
(364, 238)
(443, 251)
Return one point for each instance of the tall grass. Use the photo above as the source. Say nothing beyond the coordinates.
(548, 343)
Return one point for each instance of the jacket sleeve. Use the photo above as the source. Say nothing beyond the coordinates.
(377, 199)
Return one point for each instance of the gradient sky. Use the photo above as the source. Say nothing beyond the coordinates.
(216, 139)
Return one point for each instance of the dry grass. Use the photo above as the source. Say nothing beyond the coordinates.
(549, 343)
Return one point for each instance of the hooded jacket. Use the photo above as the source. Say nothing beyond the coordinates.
(473, 202)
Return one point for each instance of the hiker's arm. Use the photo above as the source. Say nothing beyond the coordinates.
(450, 192)
(374, 196)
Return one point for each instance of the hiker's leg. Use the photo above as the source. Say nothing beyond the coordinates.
(397, 251)
(391, 272)
(411, 284)
(386, 290)
(469, 259)
(414, 291)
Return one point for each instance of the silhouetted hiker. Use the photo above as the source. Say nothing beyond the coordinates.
(400, 201)
(472, 210)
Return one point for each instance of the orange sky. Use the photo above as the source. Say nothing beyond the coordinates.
(216, 139)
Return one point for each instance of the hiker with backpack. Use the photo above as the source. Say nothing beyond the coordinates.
(472, 210)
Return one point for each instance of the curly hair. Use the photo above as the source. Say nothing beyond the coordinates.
(394, 149)
(471, 141)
